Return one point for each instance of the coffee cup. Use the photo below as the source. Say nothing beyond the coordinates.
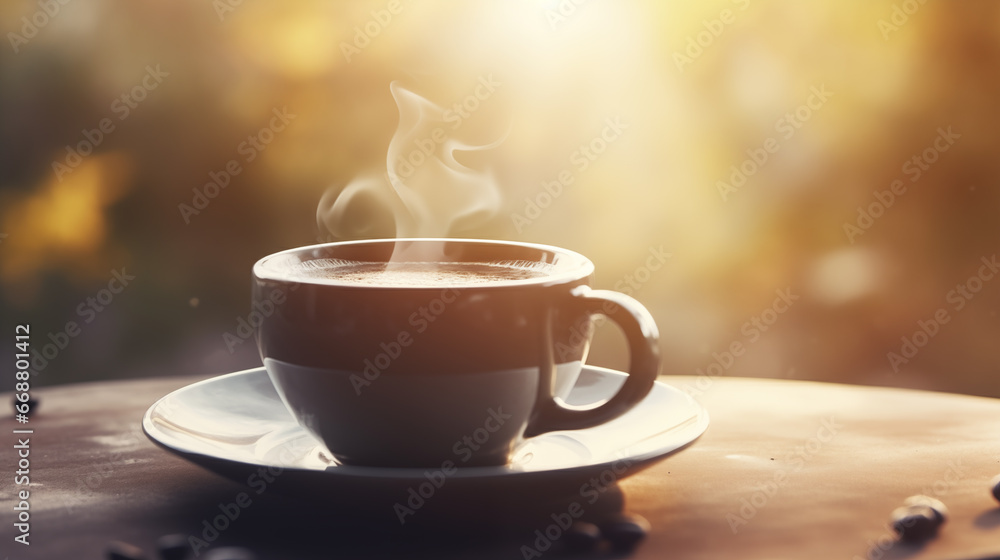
(430, 352)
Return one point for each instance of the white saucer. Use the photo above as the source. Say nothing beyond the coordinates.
(235, 424)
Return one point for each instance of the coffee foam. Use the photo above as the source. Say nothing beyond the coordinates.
(408, 274)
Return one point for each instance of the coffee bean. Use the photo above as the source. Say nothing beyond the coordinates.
(118, 550)
(995, 487)
(940, 510)
(915, 523)
(230, 553)
(31, 402)
(173, 547)
(624, 530)
(582, 537)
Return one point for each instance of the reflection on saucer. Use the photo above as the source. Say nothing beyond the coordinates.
(235, 424)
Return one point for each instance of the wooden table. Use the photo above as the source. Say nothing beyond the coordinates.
(787, 469)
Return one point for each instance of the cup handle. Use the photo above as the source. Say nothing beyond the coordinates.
(644, 365)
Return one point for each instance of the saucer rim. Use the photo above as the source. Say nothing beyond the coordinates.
(701, 419)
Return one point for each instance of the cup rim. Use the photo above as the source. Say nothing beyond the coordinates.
(577, 267)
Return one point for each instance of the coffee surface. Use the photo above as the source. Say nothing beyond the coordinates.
(420, 274)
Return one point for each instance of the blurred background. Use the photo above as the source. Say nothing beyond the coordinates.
(823, 176)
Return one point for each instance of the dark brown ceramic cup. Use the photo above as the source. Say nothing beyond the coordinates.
(423, 375)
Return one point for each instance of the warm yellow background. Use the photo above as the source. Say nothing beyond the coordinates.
(697, 84)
